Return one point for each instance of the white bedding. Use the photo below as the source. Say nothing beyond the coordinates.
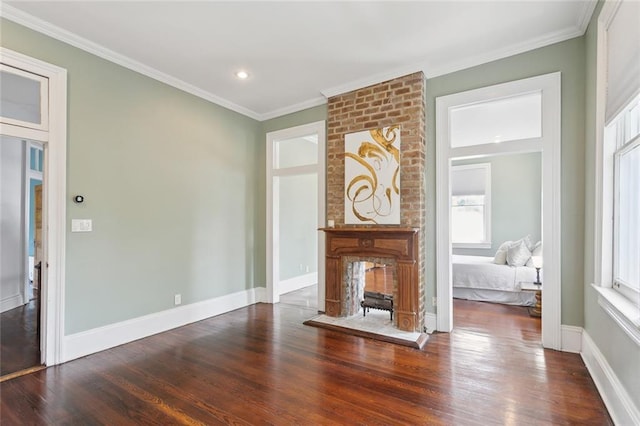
(479, 272)
(478, 278)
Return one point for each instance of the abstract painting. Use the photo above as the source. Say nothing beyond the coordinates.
(372, 177)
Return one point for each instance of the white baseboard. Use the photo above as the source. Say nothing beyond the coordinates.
(101, 338)
(296, 283)
(11, 302)
(621, 407)
(430, 321)
(571, 339)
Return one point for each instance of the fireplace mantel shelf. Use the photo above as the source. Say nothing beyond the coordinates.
(386, 229)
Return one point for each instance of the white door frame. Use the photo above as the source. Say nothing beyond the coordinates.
(54, 142)
(273, 213)
(550, 145)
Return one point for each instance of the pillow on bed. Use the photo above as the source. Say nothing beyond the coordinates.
(518, 254)
(501, 255)
(537, 249)
(527, 240)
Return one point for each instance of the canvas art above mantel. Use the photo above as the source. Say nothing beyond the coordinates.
(372, 177)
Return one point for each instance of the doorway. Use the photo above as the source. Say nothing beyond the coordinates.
(496, 203)
(34, 108)
(295, 211)
(21, 253)
(539, 94)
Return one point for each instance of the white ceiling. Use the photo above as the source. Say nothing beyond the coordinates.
(299, 52)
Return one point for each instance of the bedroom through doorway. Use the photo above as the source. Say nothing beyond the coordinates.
(512, 118)
(496, 234)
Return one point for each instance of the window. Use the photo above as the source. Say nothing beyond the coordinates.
(623, 137)
(507, 119)
(617, 237)
(471, 205)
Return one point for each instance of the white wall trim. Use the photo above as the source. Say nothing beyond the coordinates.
(622, 310)
(98, 339)
(54, 198)
(11, 302)
(619, 403)
(296, 283)
(272, 213)
(430, 322)
(571, 339)
(550, 145)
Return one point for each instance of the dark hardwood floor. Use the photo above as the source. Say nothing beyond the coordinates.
(260, 365)
(19, 346)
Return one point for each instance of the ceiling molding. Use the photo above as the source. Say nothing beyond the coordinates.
(430, 70)
(320, 100)
(370, 80)
(557, 37)
(75, 40)
(436, 71)
(588, 7)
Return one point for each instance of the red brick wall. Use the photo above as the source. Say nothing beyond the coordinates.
(400, 101)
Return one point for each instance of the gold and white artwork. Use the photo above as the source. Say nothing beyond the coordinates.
(372, 177)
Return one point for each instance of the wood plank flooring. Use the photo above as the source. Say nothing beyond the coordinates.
(260, 365)
(19, 346)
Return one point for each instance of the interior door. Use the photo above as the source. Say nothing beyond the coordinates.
(37, 234)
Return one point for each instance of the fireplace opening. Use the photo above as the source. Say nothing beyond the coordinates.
(369, 283)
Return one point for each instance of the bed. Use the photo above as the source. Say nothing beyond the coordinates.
(479, 278)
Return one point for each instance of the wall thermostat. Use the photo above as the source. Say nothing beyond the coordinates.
(78, 198)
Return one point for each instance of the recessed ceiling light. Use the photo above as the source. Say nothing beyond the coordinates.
(242, 75)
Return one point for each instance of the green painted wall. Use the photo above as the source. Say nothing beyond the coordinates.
(172, 183)
(567, 57)
(622, 354)
(516, 199)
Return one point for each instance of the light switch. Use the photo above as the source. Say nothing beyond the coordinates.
(81, 225)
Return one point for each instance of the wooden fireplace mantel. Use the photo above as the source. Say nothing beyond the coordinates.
(400, 244)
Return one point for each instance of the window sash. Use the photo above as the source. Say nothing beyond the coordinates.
(626, 244)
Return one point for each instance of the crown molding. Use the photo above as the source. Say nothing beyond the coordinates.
(320, 100)
(430, 71)
(515, 49)
(588, 7)
(371, 80)
(44, 27)
(447, 68)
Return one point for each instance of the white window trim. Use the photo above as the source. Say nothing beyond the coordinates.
(486, 244)
(619, 308)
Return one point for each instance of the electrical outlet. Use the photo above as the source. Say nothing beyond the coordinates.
(434, 301)
(307, 268)
(177, 299)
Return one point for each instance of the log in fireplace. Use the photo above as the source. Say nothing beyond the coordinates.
(345, 244)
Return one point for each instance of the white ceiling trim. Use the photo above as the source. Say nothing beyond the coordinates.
(503, 53)
(370, 80)
(431, 72)
(75, 40)
(587, 11)
(320, 100)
